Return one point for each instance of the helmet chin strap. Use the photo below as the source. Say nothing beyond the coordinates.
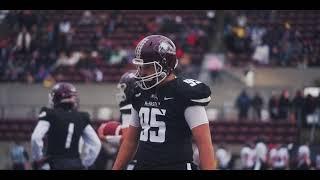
(175, 66)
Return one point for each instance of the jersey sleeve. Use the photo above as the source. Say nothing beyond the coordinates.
(195, 93)
(134, 121)
(125, 115)
(195, 116)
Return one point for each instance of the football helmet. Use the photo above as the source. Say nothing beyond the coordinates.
(64, 93)
(126, 86)
(155, 58)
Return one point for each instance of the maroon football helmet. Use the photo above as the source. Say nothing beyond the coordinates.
(158, 53)
(64, 93)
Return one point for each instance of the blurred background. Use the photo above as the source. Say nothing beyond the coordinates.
(262, 67)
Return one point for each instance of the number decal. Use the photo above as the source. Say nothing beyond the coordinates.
(144, 121)
(69, 136)
(148, 120)
(191, 82)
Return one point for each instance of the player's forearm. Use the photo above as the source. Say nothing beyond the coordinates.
(206, 156)
(36, 147)
(202, 137)
(126, 153)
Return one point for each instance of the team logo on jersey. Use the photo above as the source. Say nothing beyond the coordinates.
(152, 103)
(168, 98)
(153, 96)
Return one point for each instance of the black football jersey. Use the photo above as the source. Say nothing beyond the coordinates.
(66, 128)
(165, 136)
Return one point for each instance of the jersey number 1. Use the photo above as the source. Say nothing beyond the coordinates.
(69, 136)
(148, 120)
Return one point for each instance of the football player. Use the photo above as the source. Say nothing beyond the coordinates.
(64, 126)
(126, 85)
(167, 113)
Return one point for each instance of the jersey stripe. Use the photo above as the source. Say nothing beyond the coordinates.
(204, 100)
(128, 106)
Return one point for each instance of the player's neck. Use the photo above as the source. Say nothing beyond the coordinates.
(169, 78)
(165, 81)
(65, 107)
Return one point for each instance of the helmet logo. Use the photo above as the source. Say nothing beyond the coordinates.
(131, 75)
(166, 47)
(73, 89)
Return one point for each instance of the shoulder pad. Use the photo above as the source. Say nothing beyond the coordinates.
(85, 114)
(44, 114)
(86, 117)
(194, 92)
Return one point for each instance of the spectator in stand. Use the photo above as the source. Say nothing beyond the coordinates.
(98, 35)
(14, 70)
(185, 67)
(284, 105)
(42, 74)
(27, 18)
(4, 50)
(64, 29)
(192, 38)
(23, 41)
(117, 56)
(261, 151)
(87, 18)
(69, 38)
(257, 104)
(297, 107)
(243, 103)
(64, 26)
(35, 38)
(29, 78)
(19, 157)
(151, 26)
(86, 66)
(309, 108)
(273, 106)
(215, 66)
(261, 54)
(304, 160)
(66, 60)
(223, 158)
(247, 157)
(50, 34)
(317, 162)
(279, 157)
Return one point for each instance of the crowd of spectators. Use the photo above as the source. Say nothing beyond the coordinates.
(269, 156)
(298, 108)
(47, 46)
(272, 38)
